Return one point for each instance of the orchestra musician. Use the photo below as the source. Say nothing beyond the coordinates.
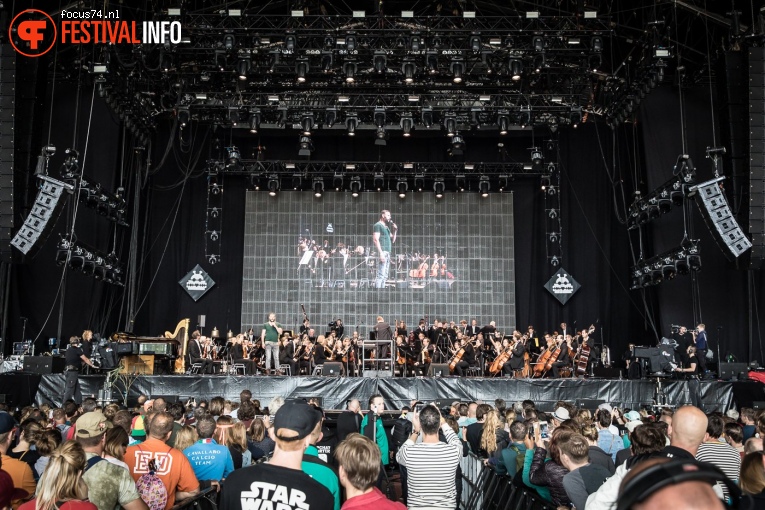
(337, 328)
(287, 353)
(532, 344)
(564, 358)
(196, 354)
(403, 354)
(518, 348)
(401, 329)
(240, 354)
(321, 352)
(421, 328)
(305, 327)
(305, 354)
(345, 356)
(468, 358)
(473, 329)
(424, 358)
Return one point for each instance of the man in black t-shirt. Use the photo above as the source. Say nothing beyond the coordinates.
(74, 360)
(280, 481)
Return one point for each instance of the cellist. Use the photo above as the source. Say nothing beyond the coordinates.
(468, 357)
(564, 358)
(516, 360)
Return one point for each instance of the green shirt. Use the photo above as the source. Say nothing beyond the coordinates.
(380, 437)
(322, 472)
(271, 334)
(384, 231)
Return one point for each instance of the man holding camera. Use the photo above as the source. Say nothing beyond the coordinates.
(269, 337)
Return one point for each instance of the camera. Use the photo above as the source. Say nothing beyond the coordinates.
(674, 328)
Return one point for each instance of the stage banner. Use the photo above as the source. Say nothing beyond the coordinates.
(197, 282)
(562, 286)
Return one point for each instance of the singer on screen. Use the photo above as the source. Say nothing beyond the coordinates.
(384, 235)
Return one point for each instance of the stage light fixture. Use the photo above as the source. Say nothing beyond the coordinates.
(419, 182)
(439, 187)
(337, 182)
(538, 63)
(351, 123)
(484, 185)
(349, 69)
(355, 186)
(379, 181)
(503, 121)
(457, 69)
(516, 69)
(525, 116)
(326, 61)
(381, 136)
(408, 69)
(290, 41)
(596, 44)
(460, 182)
(234, 157)
(228, 42)
(273, 185)
(183, 116)
(450, 124)
(301, 69)
(475, 43)
(576, 116)
(402, 187)
(306, 123)
(538, 42)
(318, 187)
(594, 62)
(166, 61)
(254, 121)
(504, 182)
(545, 182)
(379, 62)
(431, 61)
(379, 117)
(350, 42)
(458, 144)
(330, 117)
(537, 158)
(407, 124)
(427, 116)
(414, 42)
(243, 68)
(305, 146)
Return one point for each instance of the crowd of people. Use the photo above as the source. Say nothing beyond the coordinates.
(291, 455)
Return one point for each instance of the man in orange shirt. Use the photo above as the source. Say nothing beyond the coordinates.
(20, 472)
(173, 467)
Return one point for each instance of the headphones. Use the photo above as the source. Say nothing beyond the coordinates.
(665, 474)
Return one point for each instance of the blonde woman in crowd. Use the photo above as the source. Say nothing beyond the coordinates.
(117, 441)
(187, 436)
(61, 487)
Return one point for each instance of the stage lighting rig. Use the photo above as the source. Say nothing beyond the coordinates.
(450, 124)
(537, 157)
(307, 123)
(458, 145)
(484, 186)
(273, 185)
(351, 122)
(408, 69)
(301, 70)
(305, 146)
(254, 121)
(233, 157)
(80, 257)
(318, 187)
(666, 266)
(439, 187)
(646, 208)
(355, 186)
(380, 62)
(402, 186)
(379, 181)
(407, 124)
(457, 68)
(349, 70)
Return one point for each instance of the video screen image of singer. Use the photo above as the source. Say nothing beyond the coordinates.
(339, 252)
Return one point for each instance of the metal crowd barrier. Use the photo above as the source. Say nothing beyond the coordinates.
(484, 489)
(207, 499)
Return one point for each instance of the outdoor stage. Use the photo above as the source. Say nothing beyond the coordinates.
(23, 388)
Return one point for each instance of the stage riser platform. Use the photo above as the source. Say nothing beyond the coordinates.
(335, 392)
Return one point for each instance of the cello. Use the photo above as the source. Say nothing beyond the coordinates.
(456, 359)
(539, 366)
(504, 356)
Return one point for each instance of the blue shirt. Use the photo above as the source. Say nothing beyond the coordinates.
(209, 460)
(701, 340)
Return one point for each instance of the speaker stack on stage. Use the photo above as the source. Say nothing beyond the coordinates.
(44, 364)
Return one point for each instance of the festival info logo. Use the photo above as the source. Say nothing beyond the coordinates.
(32, 33)
(197, 282)
(562, 285)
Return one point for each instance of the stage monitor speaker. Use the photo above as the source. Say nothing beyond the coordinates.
(41, 220)
(44, 364)
(592, 405)
(201, 320)
(438, 370)
(730, 371)
(127, 348)
(607, 372)
(334, 368)
(720, 221)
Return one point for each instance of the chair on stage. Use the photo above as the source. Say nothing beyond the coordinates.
(318, 370)
(195, 368)
(285, 369)
(473, 371)
(236, 367)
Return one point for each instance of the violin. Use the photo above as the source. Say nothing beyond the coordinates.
(425, 356)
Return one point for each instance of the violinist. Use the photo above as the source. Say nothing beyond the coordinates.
(468, 358)
(197, 354)
(402, 355)
(401, 329)
(240, 354)
(564, 358)
(344, 355)
(287, 353)
(306, 355)
(424, 358)
(321, 352)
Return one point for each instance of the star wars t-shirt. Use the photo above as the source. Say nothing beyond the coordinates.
(269, 487)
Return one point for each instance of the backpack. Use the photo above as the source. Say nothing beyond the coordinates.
(153, 492)
(520, 458)
(402, 429)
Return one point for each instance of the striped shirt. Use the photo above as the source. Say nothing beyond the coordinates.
(722, 455)
(431, 469)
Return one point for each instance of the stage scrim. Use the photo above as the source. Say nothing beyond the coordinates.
(452, 258)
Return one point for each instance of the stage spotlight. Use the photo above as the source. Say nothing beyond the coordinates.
(596, 44)
(254, 121)
(379, 181)
(351, 123)
(457, 67)
(349, 69)
(595, 61)
(427, 117)
(525, 116)
(407, 124)
(228, 42)
(330, 117)
(290, 41)
(538, 42)
(183, 116)
(694, 262)
(484, 186)
(419, 182)
(414, 42)
(460, 181)
(350, 42)
(318, 187)
(306, 123)
(381, 136)
(402, 187)
(379, 117)
(682, 266)
(664, 203)
(516, 69)
(450, 123)
(458, 144)
(234, 157)
(545, 182)
(326, 61)
(355, 186)
(475, 43)
(408, 69)
(537, 158)
(273, 185)
(504, 182)
(503, 120)
(165, 62)
(301, 69)
(380, 62)
(306, 146)
(431, 61)
(439, 187)
(243, 68)
(576, 116)
(668, 269)
(337, 182)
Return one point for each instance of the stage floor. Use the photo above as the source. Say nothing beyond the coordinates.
(22, 389)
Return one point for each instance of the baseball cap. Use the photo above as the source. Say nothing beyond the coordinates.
(92, 424)
(607, 407)
(633, 416)
(7, 492)
(298, 417)
(7, 423)
(561, 414)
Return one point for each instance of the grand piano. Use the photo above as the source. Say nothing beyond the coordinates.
(146, 355)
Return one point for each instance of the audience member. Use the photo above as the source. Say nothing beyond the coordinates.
(583, 478)
(349, 420)
(24, 450)
(20, 472)
(372, 426)
(260, 443)
(210, 460)
(117, 441)
(717, 452)
(48, 441)
(317, 468)
(752, 479)
(8, 493)
(359, 462)
(61, 486)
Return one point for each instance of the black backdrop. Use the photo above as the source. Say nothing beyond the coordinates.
(596, 246)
